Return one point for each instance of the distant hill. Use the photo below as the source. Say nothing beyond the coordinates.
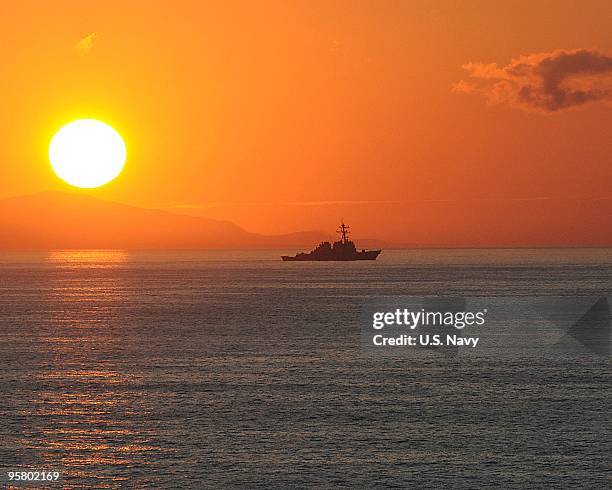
(56, 220)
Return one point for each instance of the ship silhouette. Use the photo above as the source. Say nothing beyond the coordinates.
(343, 249)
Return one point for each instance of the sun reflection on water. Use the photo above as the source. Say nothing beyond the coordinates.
(86, 411)
(87, 258)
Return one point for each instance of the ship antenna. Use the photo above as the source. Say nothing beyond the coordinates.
(344, 231)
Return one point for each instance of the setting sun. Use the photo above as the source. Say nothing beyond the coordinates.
(87, 153)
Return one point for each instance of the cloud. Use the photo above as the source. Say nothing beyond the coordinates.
(288, 203)
(84, 45)
(544, 82)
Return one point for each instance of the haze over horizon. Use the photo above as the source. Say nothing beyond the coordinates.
(72, 220)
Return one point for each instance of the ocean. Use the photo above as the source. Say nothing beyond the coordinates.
(215, 369)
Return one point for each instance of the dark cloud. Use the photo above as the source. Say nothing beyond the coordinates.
(547, 82)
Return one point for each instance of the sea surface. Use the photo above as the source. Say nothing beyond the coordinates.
(233, 369)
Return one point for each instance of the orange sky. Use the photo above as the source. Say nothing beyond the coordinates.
(284, 116)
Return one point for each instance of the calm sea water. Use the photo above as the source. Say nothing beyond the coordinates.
(234, 369)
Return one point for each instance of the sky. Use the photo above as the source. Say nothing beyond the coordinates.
(419, 122)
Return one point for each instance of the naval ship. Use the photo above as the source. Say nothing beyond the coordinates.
(343, 249)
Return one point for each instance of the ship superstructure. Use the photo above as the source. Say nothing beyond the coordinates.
(343, 249)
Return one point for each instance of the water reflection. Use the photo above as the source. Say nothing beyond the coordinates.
(86, 407)
(88, 286)
(95, 259)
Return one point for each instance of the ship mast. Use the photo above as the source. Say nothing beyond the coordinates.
(344, 231)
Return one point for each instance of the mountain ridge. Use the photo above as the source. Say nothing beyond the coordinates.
(53, 219)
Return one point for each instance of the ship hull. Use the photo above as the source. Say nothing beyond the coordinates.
(364, 255)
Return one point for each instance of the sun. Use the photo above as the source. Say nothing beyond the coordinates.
(87, 153)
